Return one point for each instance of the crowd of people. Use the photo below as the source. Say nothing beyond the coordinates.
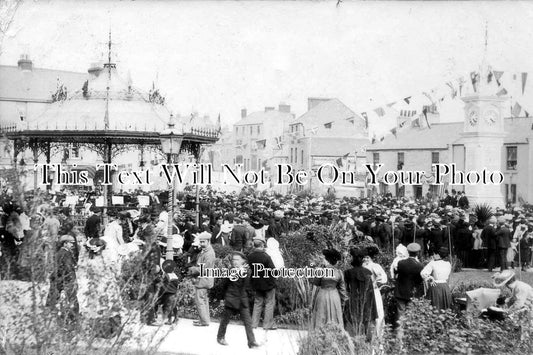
(250, 224)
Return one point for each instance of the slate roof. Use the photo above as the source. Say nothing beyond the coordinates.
(443, 134)
(335, 112)
(37, 84)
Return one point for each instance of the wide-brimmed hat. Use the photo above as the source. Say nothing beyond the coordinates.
(501, 278)
(226, 227)
(67, 238)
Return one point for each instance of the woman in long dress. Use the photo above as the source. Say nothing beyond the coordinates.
(360, 310)
(327, 306)
(436, 273)
(379, 278)
(100, 290)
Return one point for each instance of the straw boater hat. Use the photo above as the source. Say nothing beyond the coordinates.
(501, 278)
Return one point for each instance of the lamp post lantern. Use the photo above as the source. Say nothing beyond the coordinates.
(171, 139)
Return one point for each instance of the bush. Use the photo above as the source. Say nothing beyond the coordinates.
(330, 339)
(427, 330)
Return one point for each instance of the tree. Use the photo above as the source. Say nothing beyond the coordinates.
(8, 9)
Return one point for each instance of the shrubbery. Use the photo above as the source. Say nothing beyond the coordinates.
(330, 339)
(427, 330)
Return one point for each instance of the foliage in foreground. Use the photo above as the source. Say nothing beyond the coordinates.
(427, 330)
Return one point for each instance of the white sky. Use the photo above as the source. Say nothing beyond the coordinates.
(218, 57)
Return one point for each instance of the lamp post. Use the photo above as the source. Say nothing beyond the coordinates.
(171, 139)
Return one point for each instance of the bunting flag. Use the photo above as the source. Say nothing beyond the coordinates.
(391, 104)
(373, 140)
(474, 77)
(501, 92)
(429, 97)
(524, 78)
(380, 111)
(425, 112)
(279, 142)
(497, 76)
(314, 130)
(328, 125)
(365, 117)
(461, 82)
(192, 117)
(453, 89)
(526, 113)
(416, 122)
(219, 125)
(516, 110)
(394, 131)
(340, 160)
(407, 99)
(489, 77)
(382, 138)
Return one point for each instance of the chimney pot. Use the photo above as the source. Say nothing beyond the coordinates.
(269, 108)
(25, 63)
(243, 113)
(284, 108)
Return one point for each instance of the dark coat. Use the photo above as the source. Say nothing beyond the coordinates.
(503, 236)
(488, 235)
(236, 292)
(93, 226)
(263, 282)
(65, 273)
(408, 280)
(463, 202)
(239, 237)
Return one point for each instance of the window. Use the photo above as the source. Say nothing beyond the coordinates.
(510, 193)
(434, 157)
(296, 155)
(401, 157)
(302, 156)
(251, 130)
(375, 159)
(292, 150)
(511, 158)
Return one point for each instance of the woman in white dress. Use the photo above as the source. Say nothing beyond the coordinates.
(379, 278)
(436, 273)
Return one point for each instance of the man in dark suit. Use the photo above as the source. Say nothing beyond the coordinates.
(463, 200)
(503, 236)
(263, 285)
(93, 225)
(64, 279)
(236, 301)
(239, 235)
(408, 279)
(488, 235)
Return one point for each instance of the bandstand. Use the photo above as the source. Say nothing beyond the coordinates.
(107, 116)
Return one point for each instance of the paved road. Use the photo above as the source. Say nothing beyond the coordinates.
(185, 338)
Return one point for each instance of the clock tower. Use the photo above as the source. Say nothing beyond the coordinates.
(483, 137)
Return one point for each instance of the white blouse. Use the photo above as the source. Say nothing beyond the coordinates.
(379, 276)
(440, 270)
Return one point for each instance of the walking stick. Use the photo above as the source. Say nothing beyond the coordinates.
(450, 245)
(392, 224)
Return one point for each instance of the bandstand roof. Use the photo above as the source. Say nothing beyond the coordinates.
(107, 110)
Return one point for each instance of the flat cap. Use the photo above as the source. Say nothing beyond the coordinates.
(413, 247)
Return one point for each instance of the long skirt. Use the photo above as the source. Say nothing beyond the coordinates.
(440, 296)
(380, 311)
(327, 308)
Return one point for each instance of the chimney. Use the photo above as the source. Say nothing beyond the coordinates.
(284, 108)
(95, 70)
(269, 108)
(314, 101)
(243, 113)
(25, 63)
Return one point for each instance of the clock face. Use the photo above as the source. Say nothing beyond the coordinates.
(491, 117)
(473, 118)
